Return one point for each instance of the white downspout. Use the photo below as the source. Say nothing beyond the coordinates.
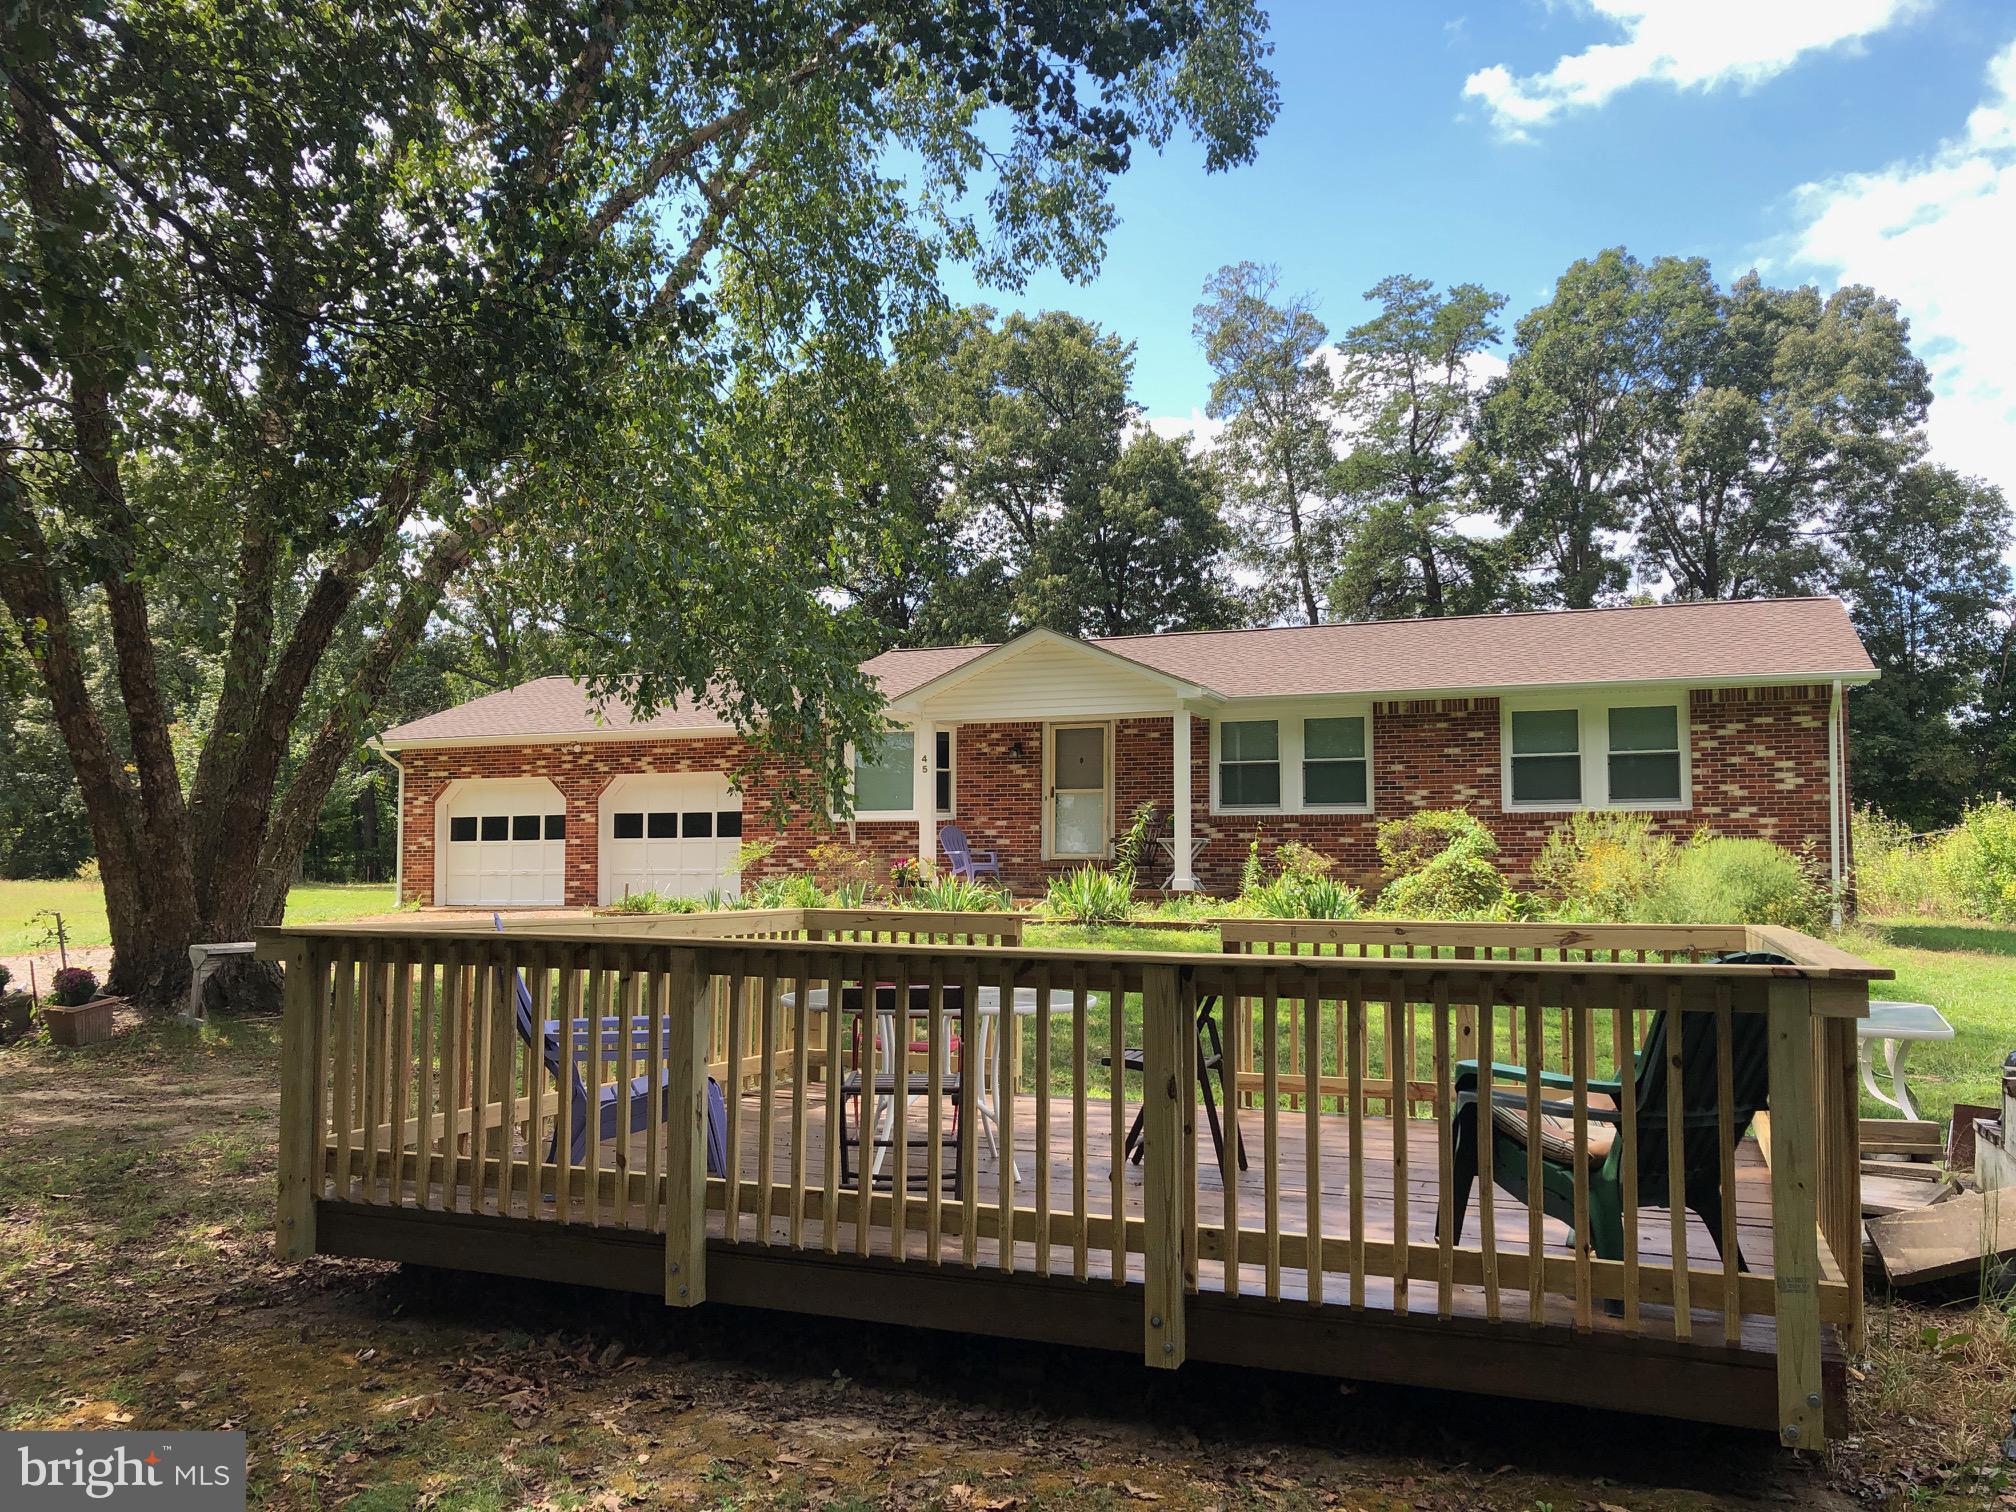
(1835, 819)
(398, 827)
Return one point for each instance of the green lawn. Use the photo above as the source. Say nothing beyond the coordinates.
(82, 905)
(1967, 972)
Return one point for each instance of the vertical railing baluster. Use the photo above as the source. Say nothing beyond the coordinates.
(1536, 1213)
(1116, 1103)
(1004, 1098)
(1354, 1091)
(972, 1061)
(1625, 1020)
(836, 1041)
(1725, 1142)
(766, 1105)
(1579, 1056)
(1270, 1140)
(1445, 1259)
(1312, 1154)
(934, 1116)
(1080, 1156)
(1043, 1152)
(1487, 1179)
(1399, 1069)
(801, 1090)
(1676, 1168)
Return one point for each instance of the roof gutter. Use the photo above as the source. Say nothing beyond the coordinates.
(1836, 820)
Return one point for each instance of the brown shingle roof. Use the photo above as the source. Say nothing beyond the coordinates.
(1771, 640)
(547, 706)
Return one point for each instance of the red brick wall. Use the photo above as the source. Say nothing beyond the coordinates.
(1759, 768)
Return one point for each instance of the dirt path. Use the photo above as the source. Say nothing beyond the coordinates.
(137, 1283)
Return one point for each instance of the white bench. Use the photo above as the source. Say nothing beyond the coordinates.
(203, 963)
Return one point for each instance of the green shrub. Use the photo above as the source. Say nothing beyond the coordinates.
(1455, 885)
(1408, 844)
(1601, 867)
(1895, 873)
(6, 976)
(1442, 866)
(651, 902)
(1131, 849)
(954, 894)
(1300, 886)
(1090, 895)
(1979, 861)
(1722, 880)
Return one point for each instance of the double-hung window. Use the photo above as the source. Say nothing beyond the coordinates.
(941, 769)
(882, 781)
(1333, 763)
(1547, 757)
(1645, 754)
(1249, 763)
(1591, 754)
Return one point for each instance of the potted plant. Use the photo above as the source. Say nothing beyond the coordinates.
(76, 1014)
(15, 1008)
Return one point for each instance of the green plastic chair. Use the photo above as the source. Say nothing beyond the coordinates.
(1699, 1132)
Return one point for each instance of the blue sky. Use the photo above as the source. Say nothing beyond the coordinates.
(1822, 140)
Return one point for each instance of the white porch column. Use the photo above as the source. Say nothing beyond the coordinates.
(1184, 880)
(924, 789)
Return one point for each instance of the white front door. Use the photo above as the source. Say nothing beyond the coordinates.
(677, 834)
(504, 841)
(1079, 823)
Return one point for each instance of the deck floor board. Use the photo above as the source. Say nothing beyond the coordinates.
(1333, 1184)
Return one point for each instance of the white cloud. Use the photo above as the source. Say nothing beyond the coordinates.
(1935, 234)
(1200, 427)
(1688, 44)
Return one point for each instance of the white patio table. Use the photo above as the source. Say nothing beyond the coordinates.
(1896, 1026)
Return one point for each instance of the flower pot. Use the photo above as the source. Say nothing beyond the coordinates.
(89, 1024)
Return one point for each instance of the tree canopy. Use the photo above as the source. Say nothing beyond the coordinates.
(307, 311)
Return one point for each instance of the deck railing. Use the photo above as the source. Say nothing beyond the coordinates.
(407, 1081)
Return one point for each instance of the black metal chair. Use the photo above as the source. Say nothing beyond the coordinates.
(1210, 1061)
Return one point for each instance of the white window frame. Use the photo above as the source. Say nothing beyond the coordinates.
(950, 735)
(1288, 718)
(879, 816)
(1592, 726)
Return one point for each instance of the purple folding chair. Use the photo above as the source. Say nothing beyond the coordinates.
(610, 1103)
(963, 860)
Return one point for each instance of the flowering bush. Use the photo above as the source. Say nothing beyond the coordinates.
(1600, 866)
(72, 987)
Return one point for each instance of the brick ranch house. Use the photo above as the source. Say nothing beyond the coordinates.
(1725, 716)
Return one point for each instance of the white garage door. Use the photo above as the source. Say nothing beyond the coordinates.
(677, 836)
(504, 842)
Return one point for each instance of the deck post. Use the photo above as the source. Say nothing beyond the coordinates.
(1841, 1163)
(1795, 1214)
(1169, 1119)
(689, 1004)
(301, 1056)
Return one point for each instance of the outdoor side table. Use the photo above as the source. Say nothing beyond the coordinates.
(1896, 1026)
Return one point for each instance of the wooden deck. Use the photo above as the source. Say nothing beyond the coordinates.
(1094, 1263)
(417, 1115)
